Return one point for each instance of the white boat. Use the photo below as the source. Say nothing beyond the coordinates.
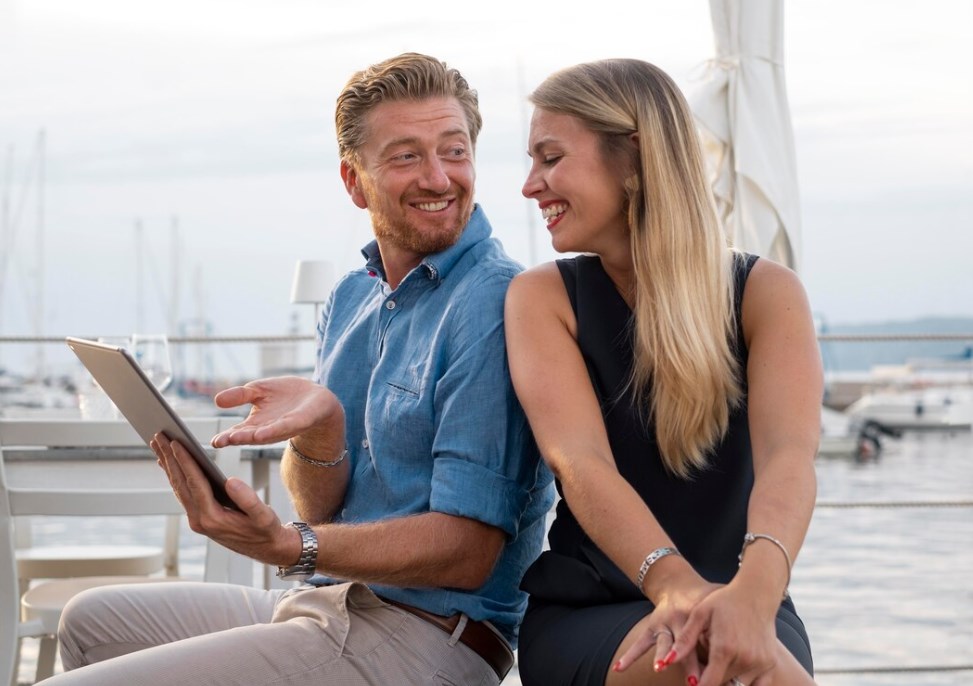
(839, 436)
(21, 395)
(939, 408)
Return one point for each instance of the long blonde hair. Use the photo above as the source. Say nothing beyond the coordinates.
(685, 375)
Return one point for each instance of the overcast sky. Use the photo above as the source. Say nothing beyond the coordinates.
(217, 115)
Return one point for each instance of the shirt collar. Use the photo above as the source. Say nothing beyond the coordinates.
(439, 264)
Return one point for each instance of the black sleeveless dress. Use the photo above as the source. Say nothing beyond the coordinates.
(581, 604)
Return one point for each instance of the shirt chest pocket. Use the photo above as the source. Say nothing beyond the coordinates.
(407, 381)
(404, 389)
(404, 411)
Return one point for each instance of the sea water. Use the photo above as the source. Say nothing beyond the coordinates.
(880, 588)
(891, 587)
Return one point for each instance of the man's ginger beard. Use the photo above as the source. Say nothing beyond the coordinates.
(411, 238)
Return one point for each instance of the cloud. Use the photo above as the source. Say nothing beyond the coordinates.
(220, 113)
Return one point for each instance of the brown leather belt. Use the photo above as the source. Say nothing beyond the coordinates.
(480, 637)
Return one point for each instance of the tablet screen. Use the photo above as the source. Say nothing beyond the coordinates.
(141, 403)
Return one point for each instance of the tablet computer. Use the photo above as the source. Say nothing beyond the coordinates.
(141, 403)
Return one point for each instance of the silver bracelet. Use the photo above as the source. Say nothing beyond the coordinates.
(651, 559)
(749, 538)
(317, 463)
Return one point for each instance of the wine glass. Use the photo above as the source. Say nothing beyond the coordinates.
(93, 402)
(151, 351)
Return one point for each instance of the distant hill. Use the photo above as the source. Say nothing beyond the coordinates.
(862, 356)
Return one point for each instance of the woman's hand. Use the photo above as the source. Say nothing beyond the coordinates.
(281, 408)
(666, 624)
(727, 636)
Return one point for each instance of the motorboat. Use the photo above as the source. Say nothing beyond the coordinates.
(921, 409)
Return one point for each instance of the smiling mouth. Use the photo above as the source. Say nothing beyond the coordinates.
(437, 206)
(552, 213)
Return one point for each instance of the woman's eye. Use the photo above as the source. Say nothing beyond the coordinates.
(551, 159)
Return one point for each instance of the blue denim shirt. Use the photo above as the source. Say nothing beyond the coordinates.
(432, 421)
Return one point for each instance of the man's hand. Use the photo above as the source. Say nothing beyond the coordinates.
(255, 531)
(282, 408)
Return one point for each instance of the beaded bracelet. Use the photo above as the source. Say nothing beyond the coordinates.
(651, 559)
(749, 538)
(317, 463)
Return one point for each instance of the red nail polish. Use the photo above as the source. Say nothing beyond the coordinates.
(659, 665)
(670, 658)
(617, 666)
(692, 681)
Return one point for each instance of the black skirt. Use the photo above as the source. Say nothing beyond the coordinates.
(563, 645)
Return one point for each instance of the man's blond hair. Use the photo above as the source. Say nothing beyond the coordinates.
(409, 76)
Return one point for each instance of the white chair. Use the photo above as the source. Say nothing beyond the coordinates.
(100, 479)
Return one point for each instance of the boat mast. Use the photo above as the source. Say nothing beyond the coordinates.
(39, 302)
(173, 314)
(174, 275)
(139, 275)
(6, 243)
(525, 124)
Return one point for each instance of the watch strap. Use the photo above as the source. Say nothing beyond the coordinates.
(307, 562)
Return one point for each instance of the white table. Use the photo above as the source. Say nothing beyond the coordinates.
(136, 467)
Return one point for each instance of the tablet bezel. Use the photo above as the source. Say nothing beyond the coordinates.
(143, 406)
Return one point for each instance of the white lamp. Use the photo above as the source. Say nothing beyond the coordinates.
(313, 280)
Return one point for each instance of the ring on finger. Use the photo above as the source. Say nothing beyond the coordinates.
(737, 682)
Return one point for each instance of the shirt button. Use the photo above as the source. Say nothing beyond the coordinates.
(390, 305)
(364, 444)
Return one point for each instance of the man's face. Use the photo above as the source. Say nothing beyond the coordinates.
(415, 174)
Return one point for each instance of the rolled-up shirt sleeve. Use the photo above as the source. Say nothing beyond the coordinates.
(484, 454)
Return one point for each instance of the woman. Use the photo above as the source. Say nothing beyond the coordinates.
(674, 387)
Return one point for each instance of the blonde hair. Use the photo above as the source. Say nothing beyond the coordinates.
(685, 372)
(409, 76)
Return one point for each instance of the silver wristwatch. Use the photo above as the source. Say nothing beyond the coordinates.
(308, 561)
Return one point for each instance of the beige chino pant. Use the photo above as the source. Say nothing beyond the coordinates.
(222, 634)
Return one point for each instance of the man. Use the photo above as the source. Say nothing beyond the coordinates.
(408, 457)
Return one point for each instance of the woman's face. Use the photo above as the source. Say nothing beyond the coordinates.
(580, 196)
